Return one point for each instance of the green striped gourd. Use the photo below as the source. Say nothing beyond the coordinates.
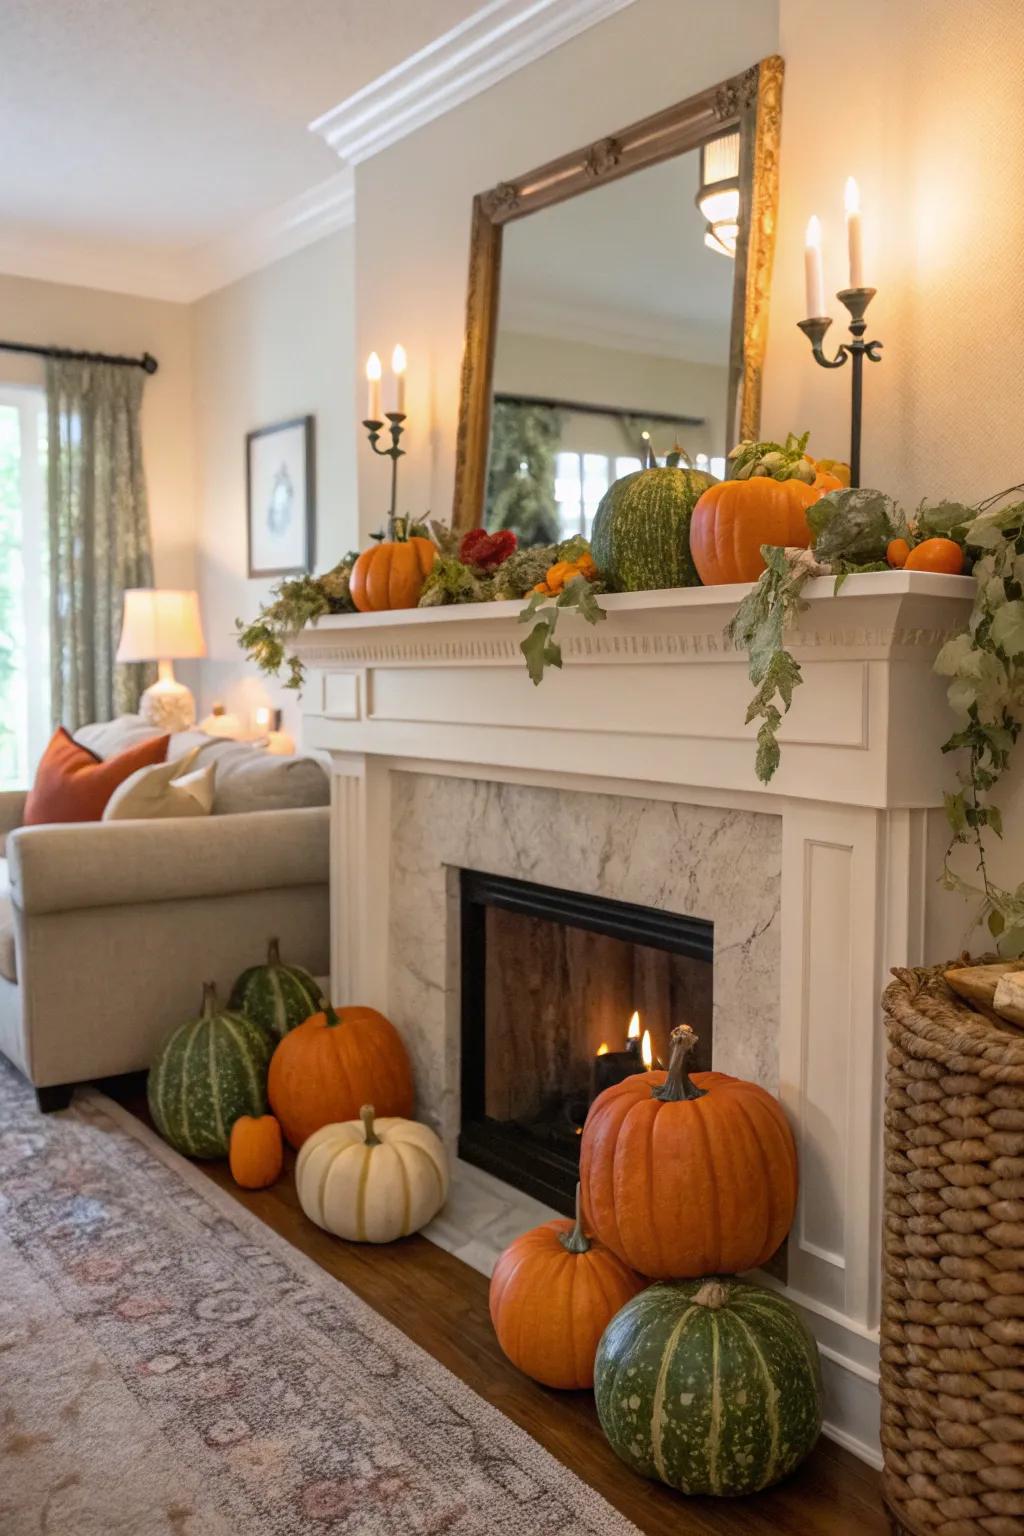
(276, 995)
(209, 1072)
(641, 534)
(713, 1386)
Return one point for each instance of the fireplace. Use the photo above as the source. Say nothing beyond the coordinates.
(562, 994)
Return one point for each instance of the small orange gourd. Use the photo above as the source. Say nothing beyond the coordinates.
(332, 1064)
(255, 1151)
(391, 574)
(685, 1177)
(553, 1293)
(943, 556)
(896, 552)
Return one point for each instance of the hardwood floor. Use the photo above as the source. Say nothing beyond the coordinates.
(441, 1303)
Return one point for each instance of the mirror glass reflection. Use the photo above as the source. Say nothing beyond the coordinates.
(615, 321)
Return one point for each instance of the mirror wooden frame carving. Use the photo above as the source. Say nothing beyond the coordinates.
(752, 101)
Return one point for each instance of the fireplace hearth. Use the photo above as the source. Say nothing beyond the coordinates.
(554, 983)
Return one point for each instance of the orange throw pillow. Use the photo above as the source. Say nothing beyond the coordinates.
(73, 784)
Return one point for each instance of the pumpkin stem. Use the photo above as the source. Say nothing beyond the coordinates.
(331, 1015)
(209, 1007)
(274, 952)
(677, 1084)
(576, 1241)
(712, 1294)
(371, 1139)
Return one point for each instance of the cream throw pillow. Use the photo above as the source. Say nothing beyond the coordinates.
(164, 790)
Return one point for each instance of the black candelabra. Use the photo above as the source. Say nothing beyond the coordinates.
(856, 301)
(374, 429)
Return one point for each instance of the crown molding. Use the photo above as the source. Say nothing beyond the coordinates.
(279, 232)
(493, 43)
(182, 277)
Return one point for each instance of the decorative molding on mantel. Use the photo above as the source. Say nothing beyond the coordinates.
(655, 692)
(500, 38)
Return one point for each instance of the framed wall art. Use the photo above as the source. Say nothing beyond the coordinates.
(280, 477)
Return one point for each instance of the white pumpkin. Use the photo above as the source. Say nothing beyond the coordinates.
(372, 1181)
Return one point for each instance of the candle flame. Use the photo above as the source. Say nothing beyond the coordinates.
(813, 236)
(602, 1049)
(851, 196)
(633, 1032)
(647, 1051)
(373, 368)
(398, 359)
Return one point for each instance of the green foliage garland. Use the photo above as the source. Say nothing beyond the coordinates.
(294, 603)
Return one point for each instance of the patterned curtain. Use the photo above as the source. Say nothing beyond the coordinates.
(99, 535)
(521, 471)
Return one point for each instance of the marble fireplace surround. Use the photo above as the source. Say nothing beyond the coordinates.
(630, 773)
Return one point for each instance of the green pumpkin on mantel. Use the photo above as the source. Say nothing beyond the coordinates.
(276, 995)
(713, 1386)
(641, 535)
(212, 1070)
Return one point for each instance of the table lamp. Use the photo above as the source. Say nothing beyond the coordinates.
(163, 626)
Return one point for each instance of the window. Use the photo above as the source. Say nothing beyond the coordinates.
(24, 599)
(581, 479)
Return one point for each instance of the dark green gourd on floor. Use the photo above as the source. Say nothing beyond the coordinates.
(276, 995)
(641, 535)
(713, 1386)
(211, 1070)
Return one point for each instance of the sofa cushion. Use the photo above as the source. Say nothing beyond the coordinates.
(164, 792)
(73, 783)
(8, 962)
(248, 777)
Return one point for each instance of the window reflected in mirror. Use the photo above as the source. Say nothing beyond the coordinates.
(613, 340)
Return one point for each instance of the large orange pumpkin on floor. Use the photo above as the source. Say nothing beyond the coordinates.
(332, 1064)
(553, 1293)
(391, 574)
(684, 1177)
(733, 519)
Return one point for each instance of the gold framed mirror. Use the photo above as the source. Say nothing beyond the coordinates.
(629, 243)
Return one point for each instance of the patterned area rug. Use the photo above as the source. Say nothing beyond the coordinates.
(171, 1367)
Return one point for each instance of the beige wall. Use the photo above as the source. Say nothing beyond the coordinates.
(84, 318)
(633, 381)
(275, 345)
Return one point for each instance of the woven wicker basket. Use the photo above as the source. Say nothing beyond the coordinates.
(952, 1368)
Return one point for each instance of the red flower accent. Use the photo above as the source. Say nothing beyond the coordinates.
(486, 551)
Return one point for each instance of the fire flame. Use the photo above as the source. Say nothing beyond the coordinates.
(633, 1032)
(602, 1049)
(647, 1051)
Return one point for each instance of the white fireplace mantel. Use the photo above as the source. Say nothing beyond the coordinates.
(650, 704)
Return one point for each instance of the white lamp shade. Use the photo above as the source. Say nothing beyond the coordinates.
(160, 625)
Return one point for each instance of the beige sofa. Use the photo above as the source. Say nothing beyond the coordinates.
(109, 929)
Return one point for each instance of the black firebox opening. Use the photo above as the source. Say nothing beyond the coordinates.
(549, 980)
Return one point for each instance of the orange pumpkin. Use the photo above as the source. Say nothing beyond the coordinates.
(896, 552)
(255, 1151)
(332, 1064)
(685, 1177)
(553, 1293)
(943, 556)
(391, 574)
(734, 518)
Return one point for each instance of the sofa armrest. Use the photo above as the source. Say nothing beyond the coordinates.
(63, 868)
(12, 809)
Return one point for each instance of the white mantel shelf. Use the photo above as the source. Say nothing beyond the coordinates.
(654, 692)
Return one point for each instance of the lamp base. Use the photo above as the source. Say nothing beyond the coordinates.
(169, 705)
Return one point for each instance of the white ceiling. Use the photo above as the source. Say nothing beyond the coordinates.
(168, 123)
(624, 264)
